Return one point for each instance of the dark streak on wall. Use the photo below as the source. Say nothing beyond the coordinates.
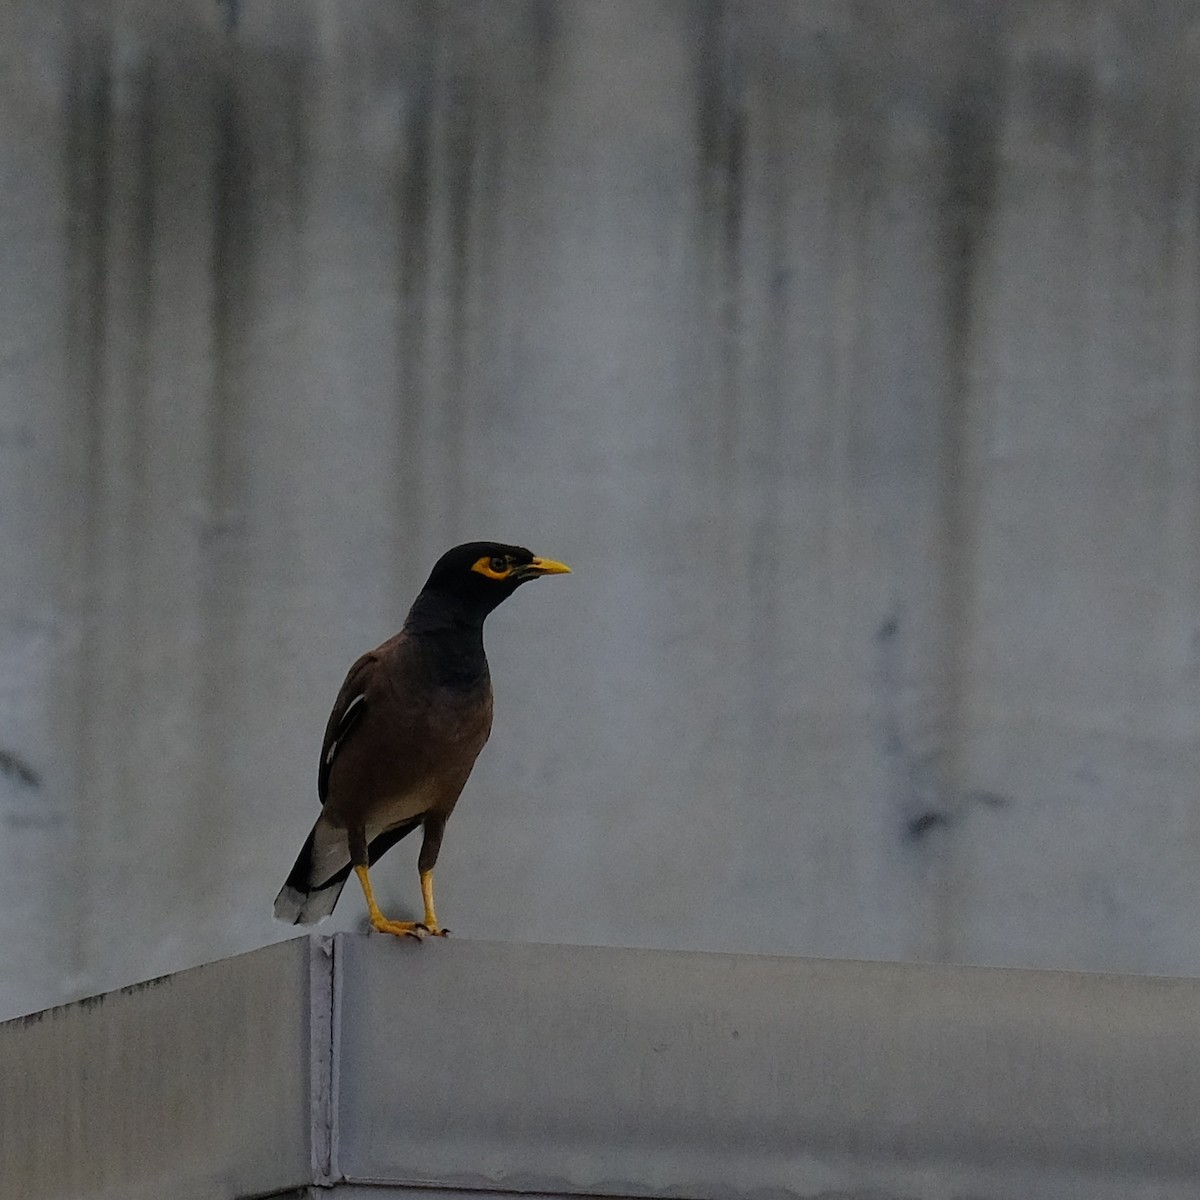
(460, 133)
(721, 148)
(232, 278)
(140, 135)
(86, 168)
(970, 138)
(413, 259)
(232, 251)
(14, 765)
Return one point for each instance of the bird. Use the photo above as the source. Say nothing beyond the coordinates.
(405, 730)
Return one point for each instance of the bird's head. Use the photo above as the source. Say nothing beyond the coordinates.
(480, 575)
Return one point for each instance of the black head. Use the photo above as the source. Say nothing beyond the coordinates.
(473, 578)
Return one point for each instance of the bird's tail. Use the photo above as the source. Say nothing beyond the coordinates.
(304, 899)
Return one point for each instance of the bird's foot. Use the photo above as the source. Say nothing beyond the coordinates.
(435, 930)
(412, 929)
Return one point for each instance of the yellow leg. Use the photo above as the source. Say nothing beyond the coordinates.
(431, 921)
(378, 921)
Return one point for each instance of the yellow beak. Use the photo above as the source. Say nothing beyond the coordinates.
(547, 566)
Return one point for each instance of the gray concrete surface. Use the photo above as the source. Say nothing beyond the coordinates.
(847, 351)
(192, 1085)
(470, 1068)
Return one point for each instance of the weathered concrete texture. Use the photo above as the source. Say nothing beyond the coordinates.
(197, 1084)
(470, 1069)
(847, 351)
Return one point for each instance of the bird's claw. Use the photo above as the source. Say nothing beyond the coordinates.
(417, 930)
(412, 929)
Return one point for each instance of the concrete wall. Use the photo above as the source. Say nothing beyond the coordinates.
(847, 351)
(468, 1070)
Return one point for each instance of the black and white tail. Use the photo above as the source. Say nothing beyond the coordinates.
(311, 892)
(319, 874)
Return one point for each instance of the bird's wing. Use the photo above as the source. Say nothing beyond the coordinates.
(348, 709)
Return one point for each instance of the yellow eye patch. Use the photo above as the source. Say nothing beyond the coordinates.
(487, 566)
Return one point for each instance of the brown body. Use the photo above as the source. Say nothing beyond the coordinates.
(411, 752)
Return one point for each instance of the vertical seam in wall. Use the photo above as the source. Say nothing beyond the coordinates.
(335, 1055)
(323, 990)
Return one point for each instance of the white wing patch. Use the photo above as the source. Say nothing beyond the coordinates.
(342, 725)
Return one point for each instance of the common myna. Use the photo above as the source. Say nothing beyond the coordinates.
(404, 733)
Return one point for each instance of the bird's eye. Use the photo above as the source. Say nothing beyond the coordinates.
(493, 566)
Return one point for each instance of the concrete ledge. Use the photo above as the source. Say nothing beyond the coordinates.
(460, 1067)
(195, 1084)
